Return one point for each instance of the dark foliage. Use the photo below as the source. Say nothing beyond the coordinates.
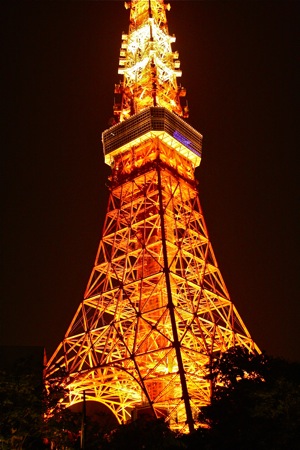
(255, 403)
(21, 407)
(24, 404)
(144, 434)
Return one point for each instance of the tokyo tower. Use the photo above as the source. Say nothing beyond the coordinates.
(156, 309)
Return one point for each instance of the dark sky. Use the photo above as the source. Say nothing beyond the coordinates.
(60, 62)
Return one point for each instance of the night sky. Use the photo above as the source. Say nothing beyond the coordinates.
(60, 61)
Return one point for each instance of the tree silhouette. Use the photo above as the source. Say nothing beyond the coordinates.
(144, 433)
(21, 406)
(255, 403)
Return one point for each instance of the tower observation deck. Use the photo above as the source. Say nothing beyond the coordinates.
(156, 309)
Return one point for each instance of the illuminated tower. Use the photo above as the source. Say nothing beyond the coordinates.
(156, 308)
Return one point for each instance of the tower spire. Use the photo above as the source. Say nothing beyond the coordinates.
(156, 309)
(147, 63)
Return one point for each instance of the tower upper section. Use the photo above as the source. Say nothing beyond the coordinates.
(149, 66)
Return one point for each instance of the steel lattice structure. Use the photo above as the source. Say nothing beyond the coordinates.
(156, 308)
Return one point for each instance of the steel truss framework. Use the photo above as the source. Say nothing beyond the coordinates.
(156, 309)
(155, 267)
